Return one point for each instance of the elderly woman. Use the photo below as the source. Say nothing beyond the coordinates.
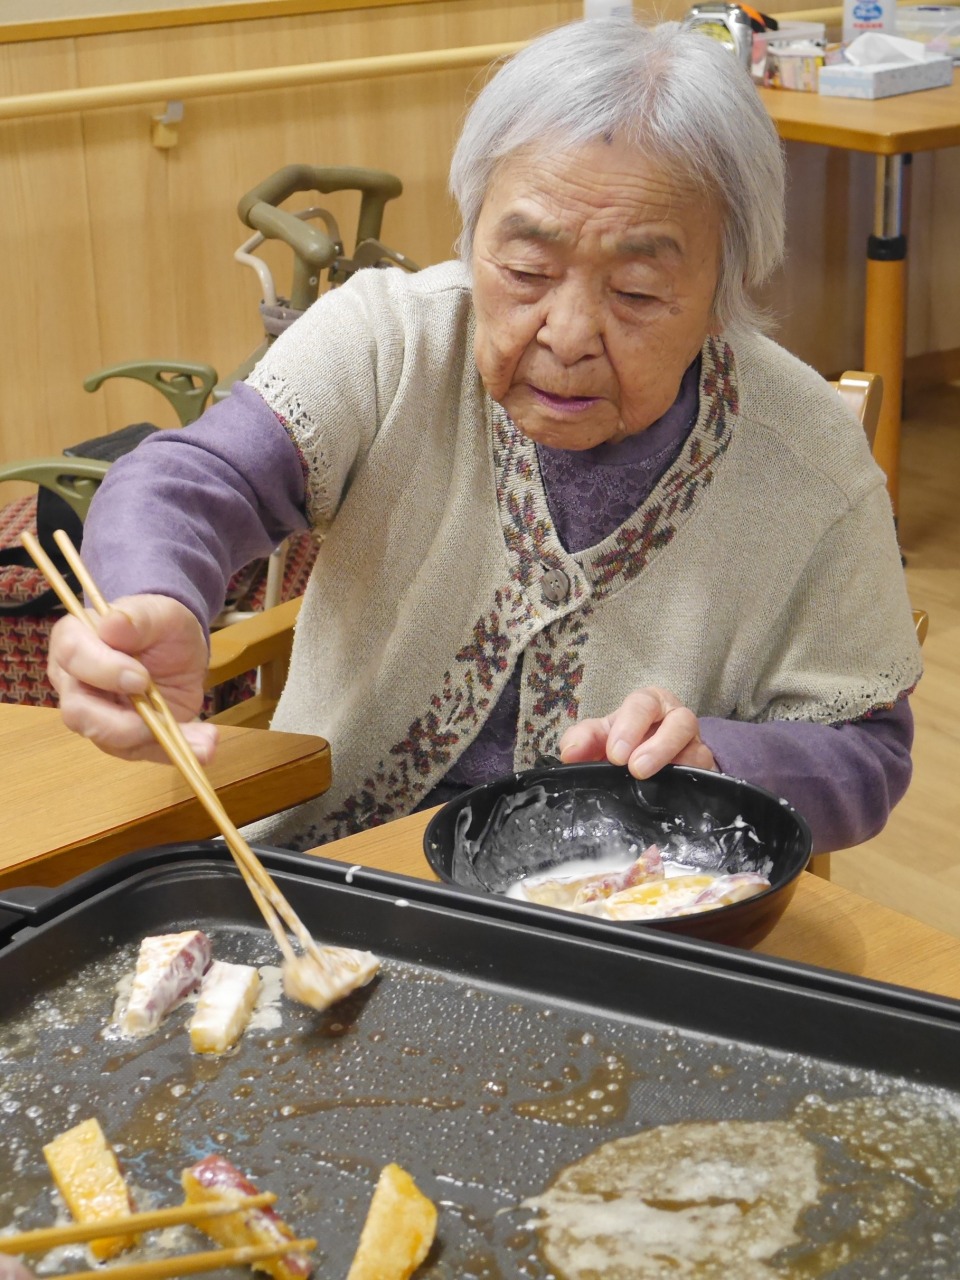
(570, 500)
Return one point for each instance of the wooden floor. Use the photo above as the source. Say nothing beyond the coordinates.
(914, 864)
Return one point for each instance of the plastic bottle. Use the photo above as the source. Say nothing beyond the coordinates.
(868, 15)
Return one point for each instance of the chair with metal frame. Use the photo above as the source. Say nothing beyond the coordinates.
(189, 387)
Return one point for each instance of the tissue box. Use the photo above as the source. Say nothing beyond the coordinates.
(884, 79)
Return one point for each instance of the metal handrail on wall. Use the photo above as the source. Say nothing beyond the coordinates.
(178, 88)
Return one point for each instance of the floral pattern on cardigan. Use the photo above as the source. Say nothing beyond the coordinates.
(555, 636)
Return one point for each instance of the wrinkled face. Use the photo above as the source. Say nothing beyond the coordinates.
(594, 273)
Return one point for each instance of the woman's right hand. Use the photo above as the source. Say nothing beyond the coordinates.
(13, 1269)
(95, 672)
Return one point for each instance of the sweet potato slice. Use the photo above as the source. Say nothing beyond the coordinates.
(215, 1177)
(399, 1230)
(87, 1175)
(169, 967)
(227, 996)
(320, 983)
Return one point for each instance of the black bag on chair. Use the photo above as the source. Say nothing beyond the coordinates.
(54, 513)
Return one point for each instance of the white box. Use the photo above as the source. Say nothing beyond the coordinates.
(936, 26)
(884, 79)
(790, 32)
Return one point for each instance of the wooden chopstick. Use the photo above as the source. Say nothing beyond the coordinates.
(44, 1238)
(153, 708)
(191, 1263)
(159, 722)
(257, 879)
(182, 755)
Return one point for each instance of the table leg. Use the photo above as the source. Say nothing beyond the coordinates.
(886, 313)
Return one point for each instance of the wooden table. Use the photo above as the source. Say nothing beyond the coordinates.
(823, 925)
(68, 807)
(889, 129)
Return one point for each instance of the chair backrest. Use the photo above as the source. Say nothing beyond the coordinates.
(263, 642)
(863, 393)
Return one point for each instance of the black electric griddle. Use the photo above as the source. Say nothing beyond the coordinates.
(498, 1045)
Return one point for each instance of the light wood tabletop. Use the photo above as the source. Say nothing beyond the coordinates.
(923, 121)
(68, 807)
(823, 924)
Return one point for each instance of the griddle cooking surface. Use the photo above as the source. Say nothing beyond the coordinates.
(482, 1085)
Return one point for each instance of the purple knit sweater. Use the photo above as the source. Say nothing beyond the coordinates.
(156, 526)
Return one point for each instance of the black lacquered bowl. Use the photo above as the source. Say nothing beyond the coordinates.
(525, 824)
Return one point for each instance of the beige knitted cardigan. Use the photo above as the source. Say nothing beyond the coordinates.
(760, 580)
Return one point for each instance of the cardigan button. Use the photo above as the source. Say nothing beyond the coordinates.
(555, 586)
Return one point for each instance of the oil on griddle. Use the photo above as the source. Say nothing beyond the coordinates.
(491, 1098)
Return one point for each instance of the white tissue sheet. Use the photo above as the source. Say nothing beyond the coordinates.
(874, 48)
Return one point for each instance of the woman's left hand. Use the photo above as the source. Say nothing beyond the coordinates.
(649, 729)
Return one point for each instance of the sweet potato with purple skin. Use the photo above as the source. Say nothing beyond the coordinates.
(215, 1176)
(169, 967)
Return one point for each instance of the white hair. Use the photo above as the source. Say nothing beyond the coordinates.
(677, 94)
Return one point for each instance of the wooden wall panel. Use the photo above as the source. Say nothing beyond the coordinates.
(143, 266)
(111, 249)
(46, 269)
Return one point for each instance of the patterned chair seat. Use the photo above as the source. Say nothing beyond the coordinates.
(24, 639)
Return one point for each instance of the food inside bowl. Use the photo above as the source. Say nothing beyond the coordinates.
(651, 888)
(740, 848)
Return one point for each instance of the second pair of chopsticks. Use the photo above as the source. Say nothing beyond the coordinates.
(43, 1239)
(155, 712)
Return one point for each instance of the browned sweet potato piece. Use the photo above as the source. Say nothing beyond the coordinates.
(211, 1179)
(88, 1177)
(399, 1229)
